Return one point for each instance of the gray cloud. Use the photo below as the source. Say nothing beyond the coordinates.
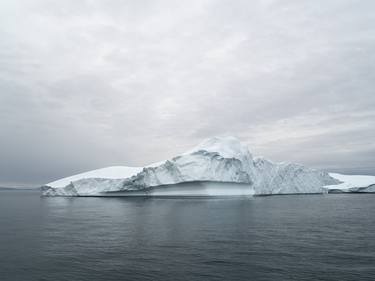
(88, 84)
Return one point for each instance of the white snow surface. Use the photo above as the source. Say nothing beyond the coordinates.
(353, 183)
(217, 166)
(114, 172)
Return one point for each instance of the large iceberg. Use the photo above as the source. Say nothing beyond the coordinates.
(218, 166)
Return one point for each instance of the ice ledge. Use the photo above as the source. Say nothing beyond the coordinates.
(352, 183)
(185, 189)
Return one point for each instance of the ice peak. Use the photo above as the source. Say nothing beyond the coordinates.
(226, 146)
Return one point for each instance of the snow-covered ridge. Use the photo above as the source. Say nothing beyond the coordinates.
(220, 161)
(114, 172)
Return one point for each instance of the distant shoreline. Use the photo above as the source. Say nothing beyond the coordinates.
(19, 188)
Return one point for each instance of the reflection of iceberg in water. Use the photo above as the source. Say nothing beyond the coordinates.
(219, 166)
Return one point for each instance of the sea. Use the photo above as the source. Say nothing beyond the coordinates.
(289, 237)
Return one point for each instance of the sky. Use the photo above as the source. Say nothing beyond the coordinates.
(86, 84)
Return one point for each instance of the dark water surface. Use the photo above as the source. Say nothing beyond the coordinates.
(316, 237)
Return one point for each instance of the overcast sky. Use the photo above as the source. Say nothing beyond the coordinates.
(89, 84)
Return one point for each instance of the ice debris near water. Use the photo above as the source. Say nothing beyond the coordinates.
(217, 166)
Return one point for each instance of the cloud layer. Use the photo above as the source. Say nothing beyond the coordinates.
(88, 84)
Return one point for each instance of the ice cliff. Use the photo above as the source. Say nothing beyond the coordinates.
(217, 166)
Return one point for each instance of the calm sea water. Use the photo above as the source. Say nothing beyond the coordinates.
(316, 237)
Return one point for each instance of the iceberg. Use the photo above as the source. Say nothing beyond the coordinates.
(219, 166)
